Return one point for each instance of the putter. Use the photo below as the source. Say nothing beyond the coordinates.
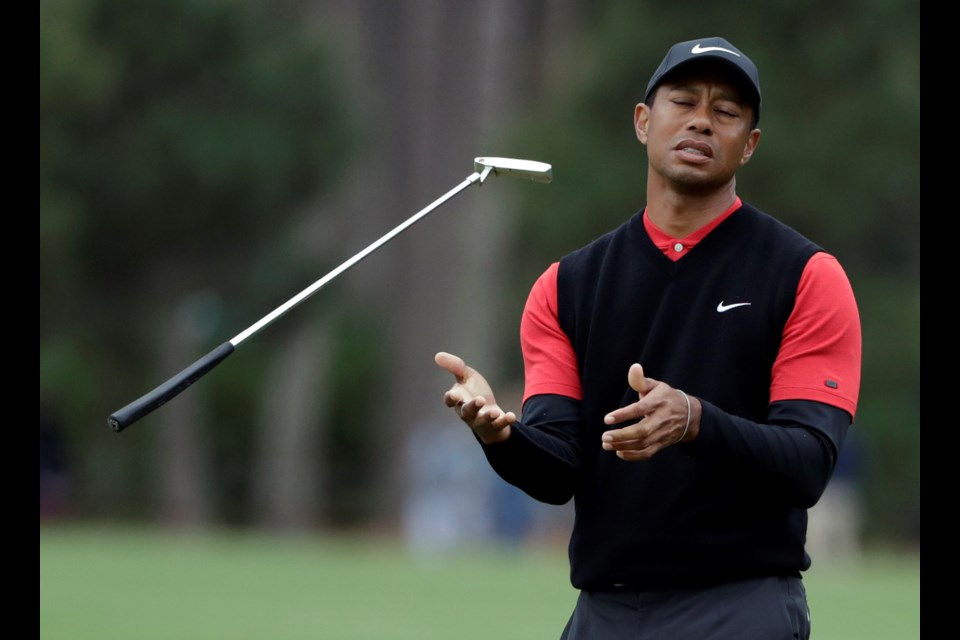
(483, 167)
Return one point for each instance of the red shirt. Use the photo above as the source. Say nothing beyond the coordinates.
(819, 357)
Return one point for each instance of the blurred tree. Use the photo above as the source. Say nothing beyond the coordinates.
(437, 84)
(175, 135)
(839, 160)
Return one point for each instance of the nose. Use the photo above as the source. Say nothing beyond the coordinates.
(700, 120)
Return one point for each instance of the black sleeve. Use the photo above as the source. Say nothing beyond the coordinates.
(542, 454)
(797, 449)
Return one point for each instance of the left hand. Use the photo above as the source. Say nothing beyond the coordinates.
(661, 414)
(473, 399)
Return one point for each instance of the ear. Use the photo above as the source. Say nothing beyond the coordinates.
(752, 141)
(641, 119)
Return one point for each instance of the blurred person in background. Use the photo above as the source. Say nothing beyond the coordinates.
(834, 528)
(54, 481)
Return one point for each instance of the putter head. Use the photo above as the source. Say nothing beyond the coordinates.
(527, 169)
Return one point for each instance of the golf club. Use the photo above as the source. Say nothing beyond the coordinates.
(483, 167)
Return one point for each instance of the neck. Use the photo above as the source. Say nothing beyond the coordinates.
(680, 213)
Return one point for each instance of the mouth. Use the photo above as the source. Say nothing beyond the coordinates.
(695, 149)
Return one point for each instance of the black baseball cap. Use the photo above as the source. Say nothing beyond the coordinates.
(685, 53)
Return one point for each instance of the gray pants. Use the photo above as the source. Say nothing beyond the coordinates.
(758, 609)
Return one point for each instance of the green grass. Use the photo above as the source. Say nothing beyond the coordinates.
(876, 599)
(121, 583)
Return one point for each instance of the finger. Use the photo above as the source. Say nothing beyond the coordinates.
(507, 419)
(625, 439)
(488, 413)
(637, 381)
(631, 433)
(629, 412)
(645, 441)
(638, 455)
(453, 364)
(623, 445)
(471, 408)
(492, 413)
(453, 397)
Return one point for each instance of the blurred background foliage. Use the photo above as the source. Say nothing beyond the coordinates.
(202, 161)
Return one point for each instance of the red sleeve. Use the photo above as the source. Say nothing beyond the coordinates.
(550, 364)
(819, 356)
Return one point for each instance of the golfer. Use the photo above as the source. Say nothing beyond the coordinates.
(689, 380)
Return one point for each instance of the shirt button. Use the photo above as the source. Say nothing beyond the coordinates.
(678, 247)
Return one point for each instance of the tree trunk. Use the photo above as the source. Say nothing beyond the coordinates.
(182, 452)
(289, 449)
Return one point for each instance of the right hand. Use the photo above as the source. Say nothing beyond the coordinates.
(663, 418)
(473, 400)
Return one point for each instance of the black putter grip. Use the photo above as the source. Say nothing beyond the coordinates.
(120, 420)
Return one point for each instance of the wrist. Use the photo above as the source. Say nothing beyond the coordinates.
(696, 411)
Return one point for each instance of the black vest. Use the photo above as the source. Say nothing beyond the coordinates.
(675, 519)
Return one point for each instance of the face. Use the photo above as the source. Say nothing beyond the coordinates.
(697, 132)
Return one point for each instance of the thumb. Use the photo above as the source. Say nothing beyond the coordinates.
(637, 381)
(452, 363)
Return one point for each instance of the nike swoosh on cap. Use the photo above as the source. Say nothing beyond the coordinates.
(726, 307)
(698, 49)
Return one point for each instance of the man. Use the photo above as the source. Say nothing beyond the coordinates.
(690, 378)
